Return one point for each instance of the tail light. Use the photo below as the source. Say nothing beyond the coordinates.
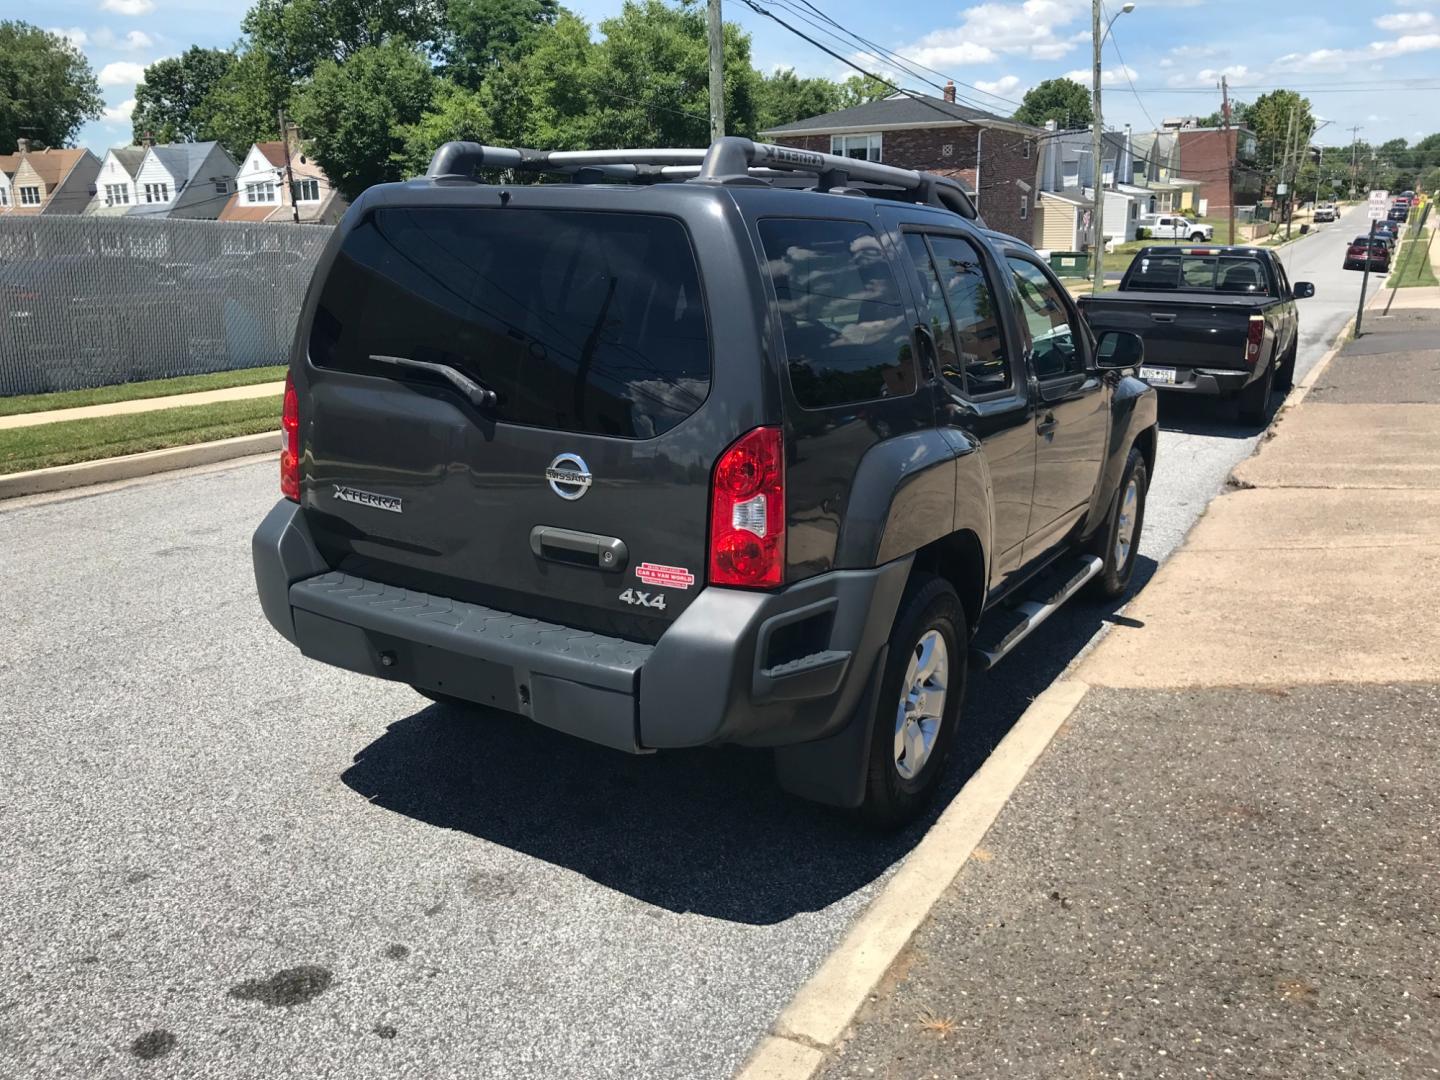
(747, 512)
(290, 442)
(1253, 338)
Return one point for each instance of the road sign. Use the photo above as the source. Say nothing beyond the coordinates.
(1379, 204)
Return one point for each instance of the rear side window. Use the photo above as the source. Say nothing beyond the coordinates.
(845, 328)
(1197, 273)
(579, 321)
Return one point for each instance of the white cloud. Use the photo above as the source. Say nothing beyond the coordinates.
(74, 35)
(130, 41)
(1036, 29)
(1212, 76)
(1405, 20)
(128, 7)
(121, 73)
(1408, 43)
(1109, 76)
(1005, 86)
(1317, 60)
(120, 114)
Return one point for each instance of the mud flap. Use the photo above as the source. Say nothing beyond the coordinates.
(832, 770)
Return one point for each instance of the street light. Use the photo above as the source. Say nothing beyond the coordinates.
(1320, 162)
(1097, 212)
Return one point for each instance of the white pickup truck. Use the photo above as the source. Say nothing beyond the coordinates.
(1175, 227)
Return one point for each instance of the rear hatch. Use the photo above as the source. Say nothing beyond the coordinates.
(581, 494)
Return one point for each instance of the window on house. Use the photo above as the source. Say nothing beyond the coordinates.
(307, 190)
(117, 195)
(222, 187)
(157, 193)
(864, 147)
(4, 196)
(260, 191)
(1026, 151)
(1024, 207)
(30, 196)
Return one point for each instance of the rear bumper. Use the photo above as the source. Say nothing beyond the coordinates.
(760, 669)
(1205, 381)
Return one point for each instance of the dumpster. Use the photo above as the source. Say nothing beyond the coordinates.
(1074, 264)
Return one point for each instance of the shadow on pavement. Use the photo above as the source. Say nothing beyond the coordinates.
(705, 831)
(1195, 414)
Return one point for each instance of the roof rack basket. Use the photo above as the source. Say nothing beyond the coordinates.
(728, 160)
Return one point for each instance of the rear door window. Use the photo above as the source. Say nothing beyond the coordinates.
(579, 321)
(969, 340)
(847, 336)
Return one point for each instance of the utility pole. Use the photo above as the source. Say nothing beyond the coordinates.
(1097, 212)
(1354, 146)
(289, 173)
(717, 69)
(1229, 153)
(1284, 169)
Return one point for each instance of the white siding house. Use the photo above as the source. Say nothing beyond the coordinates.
(115, 186)
(184, 180)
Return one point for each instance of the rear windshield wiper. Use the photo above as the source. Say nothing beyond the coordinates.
(479, 395)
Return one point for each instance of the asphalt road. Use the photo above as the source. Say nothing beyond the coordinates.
(224, 860)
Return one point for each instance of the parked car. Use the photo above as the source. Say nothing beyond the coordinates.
(1368, 252)
(1325, 212)
(1388, 231)
(1175, 227)
(698, 462)
(1398, 214)
(1214, 320)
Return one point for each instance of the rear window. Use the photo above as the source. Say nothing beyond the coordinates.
(1197, 273)
(845, 329)
(579, 321)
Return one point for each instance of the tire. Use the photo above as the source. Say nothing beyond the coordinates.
(1285, 377)
(894, 793)
(1119, 540)
(1195, 238)
(1255, 398)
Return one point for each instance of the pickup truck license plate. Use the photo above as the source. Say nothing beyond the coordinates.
(1158, 375)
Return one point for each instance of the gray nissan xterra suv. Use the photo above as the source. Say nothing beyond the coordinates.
(741, 445)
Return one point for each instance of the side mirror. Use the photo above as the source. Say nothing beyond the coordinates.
(1304, 290)
(1119, 350)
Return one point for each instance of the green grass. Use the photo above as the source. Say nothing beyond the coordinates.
(1412, 264)
(68, 441)
(104, 395)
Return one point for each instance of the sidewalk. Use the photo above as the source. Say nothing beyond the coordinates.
(139, 405)
(1226, 863)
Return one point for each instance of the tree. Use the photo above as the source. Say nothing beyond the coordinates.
(47, 90)
(1063, 100)
(479, 36)
(171, 99)
(863, 89)
(1269, 117)
(357, 113)
(454, 113)
(297, 36)
(242, 107)
(783, 97)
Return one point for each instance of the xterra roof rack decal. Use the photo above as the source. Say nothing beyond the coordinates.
(730, 160)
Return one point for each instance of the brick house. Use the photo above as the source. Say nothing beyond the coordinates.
(1205, 155)
(994, 158)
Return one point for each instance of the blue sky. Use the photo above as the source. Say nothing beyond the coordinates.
(1374, 65)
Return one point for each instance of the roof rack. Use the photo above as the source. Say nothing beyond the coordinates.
(728, 160)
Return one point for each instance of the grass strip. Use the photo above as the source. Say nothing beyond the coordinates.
(1412, 265)
(104, 395)
(69, 441)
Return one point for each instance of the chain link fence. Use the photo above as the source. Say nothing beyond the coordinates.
(94, 301)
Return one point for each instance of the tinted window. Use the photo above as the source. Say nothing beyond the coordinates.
(977, 324)
(927, 282)
(583, 322)
(1197, 273)
(1054, 342)
(845, 327)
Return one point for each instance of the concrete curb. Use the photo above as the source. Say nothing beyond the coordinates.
(818, 1016)
(63, 477)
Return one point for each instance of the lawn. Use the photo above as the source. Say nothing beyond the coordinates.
(1412, 265)
(104, 395)
(69, 441)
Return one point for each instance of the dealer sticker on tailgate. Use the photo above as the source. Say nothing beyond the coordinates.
(1158, 375)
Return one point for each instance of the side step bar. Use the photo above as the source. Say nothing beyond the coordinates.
(1028, 614)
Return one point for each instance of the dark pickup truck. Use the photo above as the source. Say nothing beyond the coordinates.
(1214, 320)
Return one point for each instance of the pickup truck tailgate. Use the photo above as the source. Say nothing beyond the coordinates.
(1179, 331)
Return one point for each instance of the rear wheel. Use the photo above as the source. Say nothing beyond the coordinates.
(1255, 398)
(920, 698)
(1117, 543)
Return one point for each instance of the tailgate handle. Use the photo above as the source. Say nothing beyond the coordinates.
(579, 548)
(1160, 316)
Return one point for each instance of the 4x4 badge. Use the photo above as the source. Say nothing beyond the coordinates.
(569, 476)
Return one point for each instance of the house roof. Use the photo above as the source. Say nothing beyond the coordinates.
(274, 152)
(1074, 196)
(235, 210)
(52, 166)
(183, 160)
(907, 111)
(129, 157)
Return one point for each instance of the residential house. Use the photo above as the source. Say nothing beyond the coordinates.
(993, 157)
(8, 164)
(1206, 155)
(261, 193)
(184, 180)
(49, 181)
(1155, 168)
(1066, 181)
(115, 186)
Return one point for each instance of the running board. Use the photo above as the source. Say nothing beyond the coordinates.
(1054, 589)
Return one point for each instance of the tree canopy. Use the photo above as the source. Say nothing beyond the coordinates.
(47, 90)
(173, 100)
(1063, 100)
